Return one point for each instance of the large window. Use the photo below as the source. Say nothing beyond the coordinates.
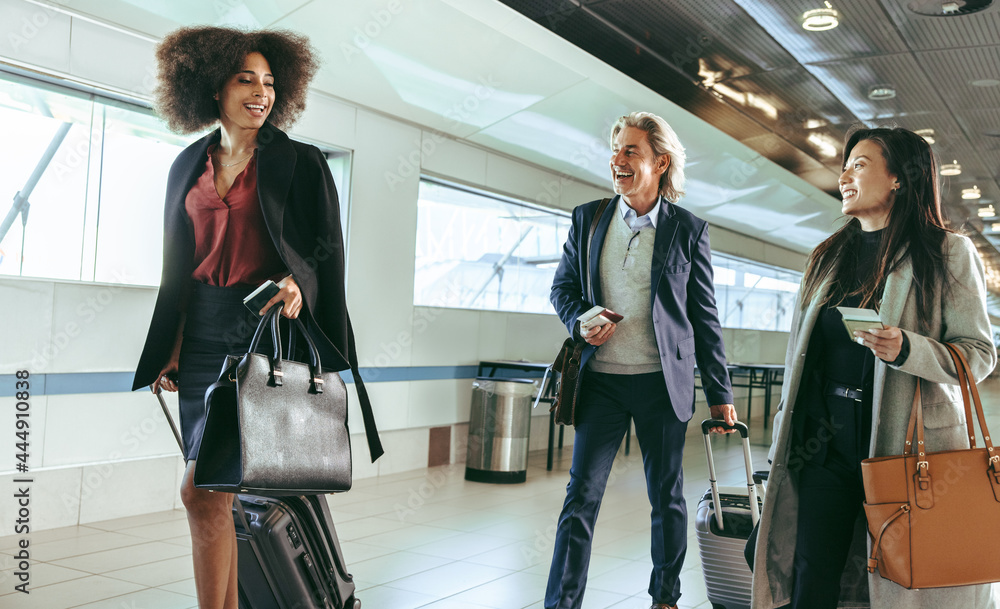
(476, 250)
(82, 184)
(480, 251)
(754, 296)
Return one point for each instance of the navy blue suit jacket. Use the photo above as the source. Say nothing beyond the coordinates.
(685, 318)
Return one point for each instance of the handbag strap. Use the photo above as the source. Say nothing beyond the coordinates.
(912, 425)
(961, 362)
(590, 239)
(367, 414)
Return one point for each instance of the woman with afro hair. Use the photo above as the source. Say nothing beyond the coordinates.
(244, 204)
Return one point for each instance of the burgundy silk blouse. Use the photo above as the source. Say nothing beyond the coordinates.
(231, 242)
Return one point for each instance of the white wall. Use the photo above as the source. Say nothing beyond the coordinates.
(105, 455)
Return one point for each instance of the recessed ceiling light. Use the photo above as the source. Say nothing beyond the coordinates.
(815, 123)
(972, 193)
(881, 92)
(947, 8)
(987, 212)
(985, 82)
(951, 169)
(996, 228)
(820, 19)
(825, 144)
(927, 134)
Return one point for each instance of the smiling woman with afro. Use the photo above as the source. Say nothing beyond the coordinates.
(245, 204)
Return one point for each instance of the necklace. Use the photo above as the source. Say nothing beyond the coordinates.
(237, 162)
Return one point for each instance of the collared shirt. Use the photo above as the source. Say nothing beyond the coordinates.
(635, 223)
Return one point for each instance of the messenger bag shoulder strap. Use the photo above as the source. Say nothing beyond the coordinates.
(588, 285)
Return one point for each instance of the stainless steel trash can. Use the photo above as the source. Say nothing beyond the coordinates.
(499, 422)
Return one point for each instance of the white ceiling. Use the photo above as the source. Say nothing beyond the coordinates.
(481, 72)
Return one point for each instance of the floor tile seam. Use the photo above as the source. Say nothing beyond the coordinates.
(70, 535)
(128, 594)
(389, 582)
(403, 548)
(138, 541)
(142, 542)
(34, 588)
(479, 586)
(104, 573)
(160, 587)
(101, 600)
(148, 564)
(92, 525)
(464, 590)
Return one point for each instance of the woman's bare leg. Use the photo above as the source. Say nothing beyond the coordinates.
(213, 543)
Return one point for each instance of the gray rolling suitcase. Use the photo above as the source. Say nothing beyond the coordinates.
(725, 517)
(289, 554)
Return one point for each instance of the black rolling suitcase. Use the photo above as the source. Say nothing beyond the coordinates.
(724, 520)
(289, 554)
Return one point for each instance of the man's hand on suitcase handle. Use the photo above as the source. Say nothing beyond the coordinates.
(726, 412)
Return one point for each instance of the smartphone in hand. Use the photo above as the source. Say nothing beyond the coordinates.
(260, 297)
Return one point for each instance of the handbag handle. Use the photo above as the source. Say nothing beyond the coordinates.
(963, 364)
(271, 319)
(970, 398)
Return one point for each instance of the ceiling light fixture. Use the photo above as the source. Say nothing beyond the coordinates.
(927, 134)
(985, 82)
(972, 193)
(815, 123)
(820, 19)
(996, 227)
(987, 212)
(827, 146)
(947, 8)
(951, 169)
(881, 92)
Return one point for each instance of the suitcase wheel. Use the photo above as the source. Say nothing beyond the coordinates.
(356, 604)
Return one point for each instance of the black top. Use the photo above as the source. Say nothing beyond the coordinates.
(845, 361)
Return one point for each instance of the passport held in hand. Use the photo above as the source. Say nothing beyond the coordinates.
(598, 316)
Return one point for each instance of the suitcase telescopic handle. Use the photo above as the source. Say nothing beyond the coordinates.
(170, 419)
(708, 424)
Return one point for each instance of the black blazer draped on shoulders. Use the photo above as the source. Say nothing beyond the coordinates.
(302, 212)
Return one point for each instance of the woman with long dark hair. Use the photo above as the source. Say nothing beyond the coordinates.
(244, 204)
(848, 397)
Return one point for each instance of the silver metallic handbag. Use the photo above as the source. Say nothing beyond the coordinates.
(274, 426)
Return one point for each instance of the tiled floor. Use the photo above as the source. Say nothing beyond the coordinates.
(425, 538)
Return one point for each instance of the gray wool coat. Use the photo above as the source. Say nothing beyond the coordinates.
(959, 317)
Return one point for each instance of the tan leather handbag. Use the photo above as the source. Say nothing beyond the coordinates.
(934, 518)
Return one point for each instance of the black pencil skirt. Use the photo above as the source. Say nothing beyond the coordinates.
(218, 324)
